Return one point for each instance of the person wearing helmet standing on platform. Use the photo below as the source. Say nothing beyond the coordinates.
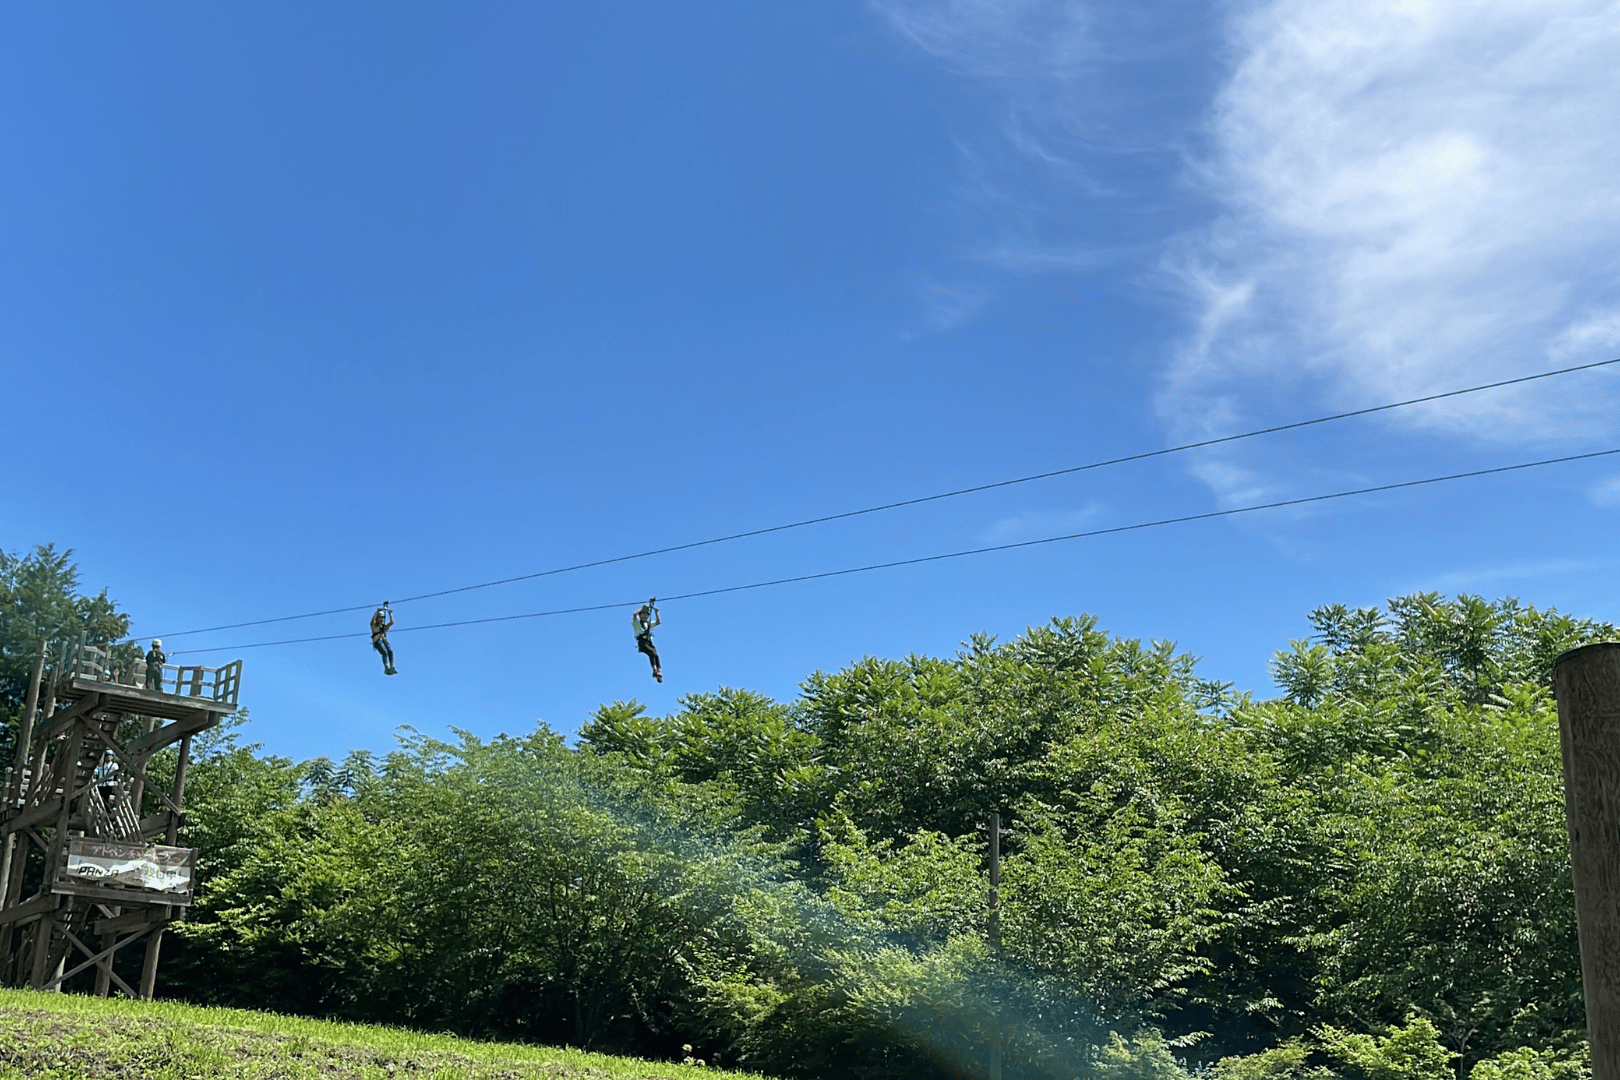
(381, 623)
(643, 621)
(155, 659)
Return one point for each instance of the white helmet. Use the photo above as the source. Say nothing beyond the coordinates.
(156, 644)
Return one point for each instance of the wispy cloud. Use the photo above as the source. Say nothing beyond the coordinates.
(1003, 39)
(1530, 571)
(1416, 195)
(1036, 524)
(1605, 492)
(1378, 200)
(946, 305)
(1067, 166)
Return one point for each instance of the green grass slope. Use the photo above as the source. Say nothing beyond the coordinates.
(71, 1037)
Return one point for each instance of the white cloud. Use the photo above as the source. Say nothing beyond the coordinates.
(1238, 485)
(1598, 334)
(1038, 524)
(1606, 492)
(1417, 195)
(1399, 197)
(1065, 166)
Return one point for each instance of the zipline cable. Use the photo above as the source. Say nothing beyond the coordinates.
(916, 501)
(950, 554)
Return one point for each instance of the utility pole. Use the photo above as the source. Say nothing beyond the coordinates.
(1586, 682)
(996, 832)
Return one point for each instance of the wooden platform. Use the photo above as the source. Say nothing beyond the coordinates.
(116, 697)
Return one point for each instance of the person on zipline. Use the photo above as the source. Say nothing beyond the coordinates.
(645, 618)
(380, 625)
(155, 659)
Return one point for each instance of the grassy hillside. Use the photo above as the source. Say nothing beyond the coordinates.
(69, 1037)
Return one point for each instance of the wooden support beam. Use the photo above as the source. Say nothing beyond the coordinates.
(29, 818)
(144, 918)
(41, 781)
(104, 971)
(106, 895)
(57, 852)
(179, 793)
(102, 958)
(154, 946)
(107, 942)
(41, 903)
(25, 734)
(19, 869)
(158, 822)
(36, 762)
(139, 699)
(42, 950)
(11, 887)
(14, 778)
(167, 734)
(60, 722)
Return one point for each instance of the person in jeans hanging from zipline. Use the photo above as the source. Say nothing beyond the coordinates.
(643, 621)
(380, 625)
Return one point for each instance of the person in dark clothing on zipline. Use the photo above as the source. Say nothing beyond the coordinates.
(380, 625)
(645, 618)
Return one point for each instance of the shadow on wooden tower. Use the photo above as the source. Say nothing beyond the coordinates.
(87, 861)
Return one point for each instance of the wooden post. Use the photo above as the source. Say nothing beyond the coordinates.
(42, 949)
(1586, 682)
(994, 927)
(138, 792)
(106, 941)
(25, 732)
(14, 782)
(66, 767)
(154, 944)
(104, 980)
(995, 881)
(179, 792)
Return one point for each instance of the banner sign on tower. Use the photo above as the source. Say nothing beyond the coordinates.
(143, 866)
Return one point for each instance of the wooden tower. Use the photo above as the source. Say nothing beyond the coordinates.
(87, 857)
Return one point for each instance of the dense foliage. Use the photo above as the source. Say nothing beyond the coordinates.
(40, 603)
(1366, 877)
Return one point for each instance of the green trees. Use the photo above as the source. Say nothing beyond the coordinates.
(40, 602)
(502, 889)
(1365, 878)
(1434, 743)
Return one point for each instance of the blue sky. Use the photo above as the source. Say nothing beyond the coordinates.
(308, 306)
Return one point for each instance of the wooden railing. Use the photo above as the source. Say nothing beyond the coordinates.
(96, 663)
